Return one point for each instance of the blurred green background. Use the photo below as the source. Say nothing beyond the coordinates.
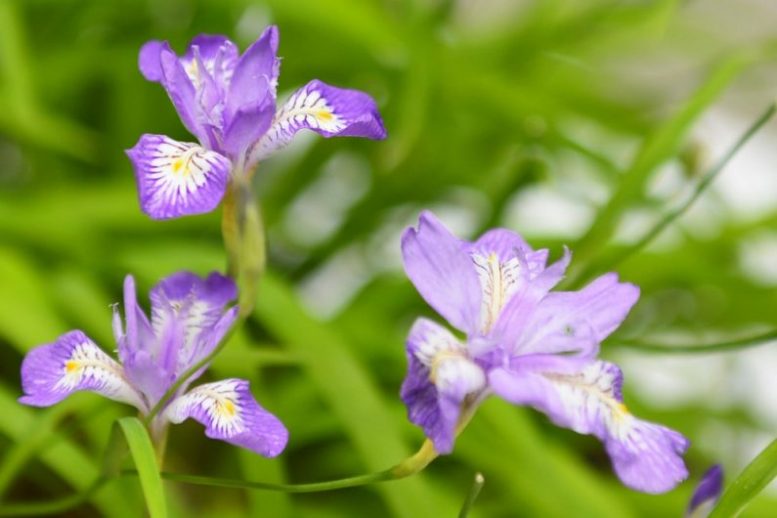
(575, 123)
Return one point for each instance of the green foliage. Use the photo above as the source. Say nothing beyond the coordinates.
(483, 108)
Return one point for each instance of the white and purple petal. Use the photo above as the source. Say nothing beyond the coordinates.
(74, 362)
(440, 381)
(588, 400)
(230, 413)
(192, 314)
(707, 493)
(177, 178)
(325, 109)
(442, 271)
(212, 55)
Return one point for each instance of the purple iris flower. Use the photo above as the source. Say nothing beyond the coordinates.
(707, 493)
(227, 101)
(526, 344)
(189, 317)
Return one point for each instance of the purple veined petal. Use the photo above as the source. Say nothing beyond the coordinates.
(230, 413)
(577, 321)
(52, 372)
(217, 57)
(517, 313)
(177, 178)
(191, 313)
(646, 457)
(325, 109)
(707, 493)
(442, 271)
(439, 379)
(255, 76)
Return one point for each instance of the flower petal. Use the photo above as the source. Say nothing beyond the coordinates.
(325, 109)
(646, 456)
(443, 272)
(52, 372)
(230, 413)
(440, 379)
(177, 178)
(707, 493)
(255, 77)
(247, 126)
(214, 55)
(192, 314)
(577, 321)
(149, 60)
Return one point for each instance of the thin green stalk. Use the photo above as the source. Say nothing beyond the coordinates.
(727, 346)
(472, 495)
(753, 479)
(704, 183)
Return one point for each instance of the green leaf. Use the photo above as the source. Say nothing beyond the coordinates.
(750, 482)
(145, 461)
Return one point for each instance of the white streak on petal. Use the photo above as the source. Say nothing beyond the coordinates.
(498, 282)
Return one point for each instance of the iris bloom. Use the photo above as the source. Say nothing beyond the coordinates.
(189, 317)
(525, 344)
(707, 493)
(227, 101)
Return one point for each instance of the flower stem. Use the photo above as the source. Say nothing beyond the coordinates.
(474, 491)
(727, 346)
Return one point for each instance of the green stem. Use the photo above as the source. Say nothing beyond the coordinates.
(472, 495)
(672, 215)
(731, 345)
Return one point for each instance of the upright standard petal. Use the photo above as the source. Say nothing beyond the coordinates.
(440, 381)
(443, 272)
(177, 178)
(256, 75)
(707, 493)
(230, 413)
(52, 372)
(325, 109)
(213, 55)
(646, 456)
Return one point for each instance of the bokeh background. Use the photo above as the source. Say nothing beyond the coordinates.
(576, 123)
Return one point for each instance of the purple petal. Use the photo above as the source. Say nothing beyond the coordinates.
(442, 272)
(577, 321)
(325, 109)
(255, 76)
(519, 310)
(149, 60)
(177, 178)
(218, 57)
(707, 493)
(52, 372)
(230, 413)
(440, 378)
(190, 317)
(183, 93)
(646, 456)
(247, 126)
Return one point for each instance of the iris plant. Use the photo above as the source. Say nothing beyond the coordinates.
(526, 344)
(228, 102)
(189, 317)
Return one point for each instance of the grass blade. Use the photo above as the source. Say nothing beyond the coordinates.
(750, 482)
(142, 452)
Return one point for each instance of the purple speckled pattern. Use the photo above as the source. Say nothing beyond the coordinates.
(525, 343)
(190, 315)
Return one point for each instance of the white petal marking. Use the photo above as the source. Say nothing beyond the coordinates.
(306, 108)
(88, 363)
(219, 401)
(498, 282)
